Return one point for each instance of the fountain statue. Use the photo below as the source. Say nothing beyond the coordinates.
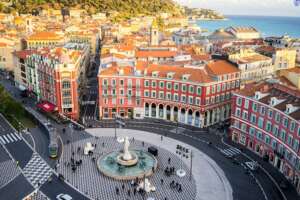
(126, 155)
(127, 164)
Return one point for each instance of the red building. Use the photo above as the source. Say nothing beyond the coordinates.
(194, 95)
(265, 119)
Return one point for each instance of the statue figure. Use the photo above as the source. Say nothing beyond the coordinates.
(126, 153)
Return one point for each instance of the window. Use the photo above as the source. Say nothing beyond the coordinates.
(183, 88)
(213, 88)
(262, 110)
(236, 124)
(66, 93)
(113, 82)
(296, 145)
(292, 126)
(259, 135)
(275, 131)
(254, 107)
(176, 86)
(260, 122)
(246, 104)
(299, 131)
(274, 144)
(199, 91)
(238, 112)
(121, 101)
(252, 131)
(239, 101)
(268, 126)
(218, 88)
(161, 84)
(198, 102)
(176, 98)
(277, 117)
(105, 82)
(245, 115)
(169, 86)
(282, 135)
(129, 92)
(121, 92)
(191, 100)
(66, 84)
(153, 94)
(146, 93)
(207, 90)
(183, 99)
(191, 89)
(285, 122)
(121, 82)
(270, 114)
(153, 84)
(253, 119)
(146, 83)
(129, 83)
(290, 140)
(161, 95)
(169, 96)
(267, 139)
(244, 127)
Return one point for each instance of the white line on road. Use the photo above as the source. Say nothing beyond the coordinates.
(7, 141)
(13, 136)
(3, 142)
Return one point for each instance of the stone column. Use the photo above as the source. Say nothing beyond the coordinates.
(157, 111)
(207, 118)
(165, 113)
(186, 117)
(172, 114)
(150, 110)
(194, 118)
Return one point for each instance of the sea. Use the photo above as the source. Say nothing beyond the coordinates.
(267, 25)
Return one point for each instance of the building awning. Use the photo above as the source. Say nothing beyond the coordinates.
(46, 106)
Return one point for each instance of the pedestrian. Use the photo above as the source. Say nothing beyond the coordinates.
(161, 138)
(117, 190)
(162, 181)
(17, 162)
(103, 144)
(128, 192)
(153, 169)
(123, 186)
(143, 143)
(134, 191)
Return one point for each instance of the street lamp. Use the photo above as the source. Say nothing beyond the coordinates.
(184, 152)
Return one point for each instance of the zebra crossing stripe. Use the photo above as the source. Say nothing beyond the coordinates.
(7, 141)
(3, 142)
(13, 136)
(8, 136)
(17, 135)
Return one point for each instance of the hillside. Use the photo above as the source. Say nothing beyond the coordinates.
(200, 13)
(127, 7)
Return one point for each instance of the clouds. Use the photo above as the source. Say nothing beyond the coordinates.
(248, 7)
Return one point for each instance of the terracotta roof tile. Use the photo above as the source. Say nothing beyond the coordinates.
(220, 67)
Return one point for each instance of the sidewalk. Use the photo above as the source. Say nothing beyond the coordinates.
(290, 192)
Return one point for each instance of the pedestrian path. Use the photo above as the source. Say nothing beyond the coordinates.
(9, 138)
(230, 152)
(37, 170)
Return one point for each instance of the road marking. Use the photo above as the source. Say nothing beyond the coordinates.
(17, 135)
(3, 142)
(8, 136)
(12, 135)
(7, 141)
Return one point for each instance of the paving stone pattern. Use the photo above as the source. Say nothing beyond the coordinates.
(37, 171)
(8, 171)
(90, 181)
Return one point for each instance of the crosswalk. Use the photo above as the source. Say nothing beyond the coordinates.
(37, 171)
(9, 138)
(230, 152)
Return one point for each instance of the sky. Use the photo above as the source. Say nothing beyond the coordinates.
(248, 7)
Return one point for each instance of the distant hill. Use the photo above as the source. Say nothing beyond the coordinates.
(127, 7)
(201, 13)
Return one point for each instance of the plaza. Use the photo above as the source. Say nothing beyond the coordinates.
(207, 180)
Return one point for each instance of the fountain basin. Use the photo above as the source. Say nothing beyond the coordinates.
(110, 165)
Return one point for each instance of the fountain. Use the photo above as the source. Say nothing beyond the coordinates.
(127, 164)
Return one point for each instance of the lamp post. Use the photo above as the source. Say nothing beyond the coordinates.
(184, 153)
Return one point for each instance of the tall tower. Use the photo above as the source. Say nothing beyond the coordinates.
(154, 34)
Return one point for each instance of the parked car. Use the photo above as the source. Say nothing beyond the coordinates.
(63, 197)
